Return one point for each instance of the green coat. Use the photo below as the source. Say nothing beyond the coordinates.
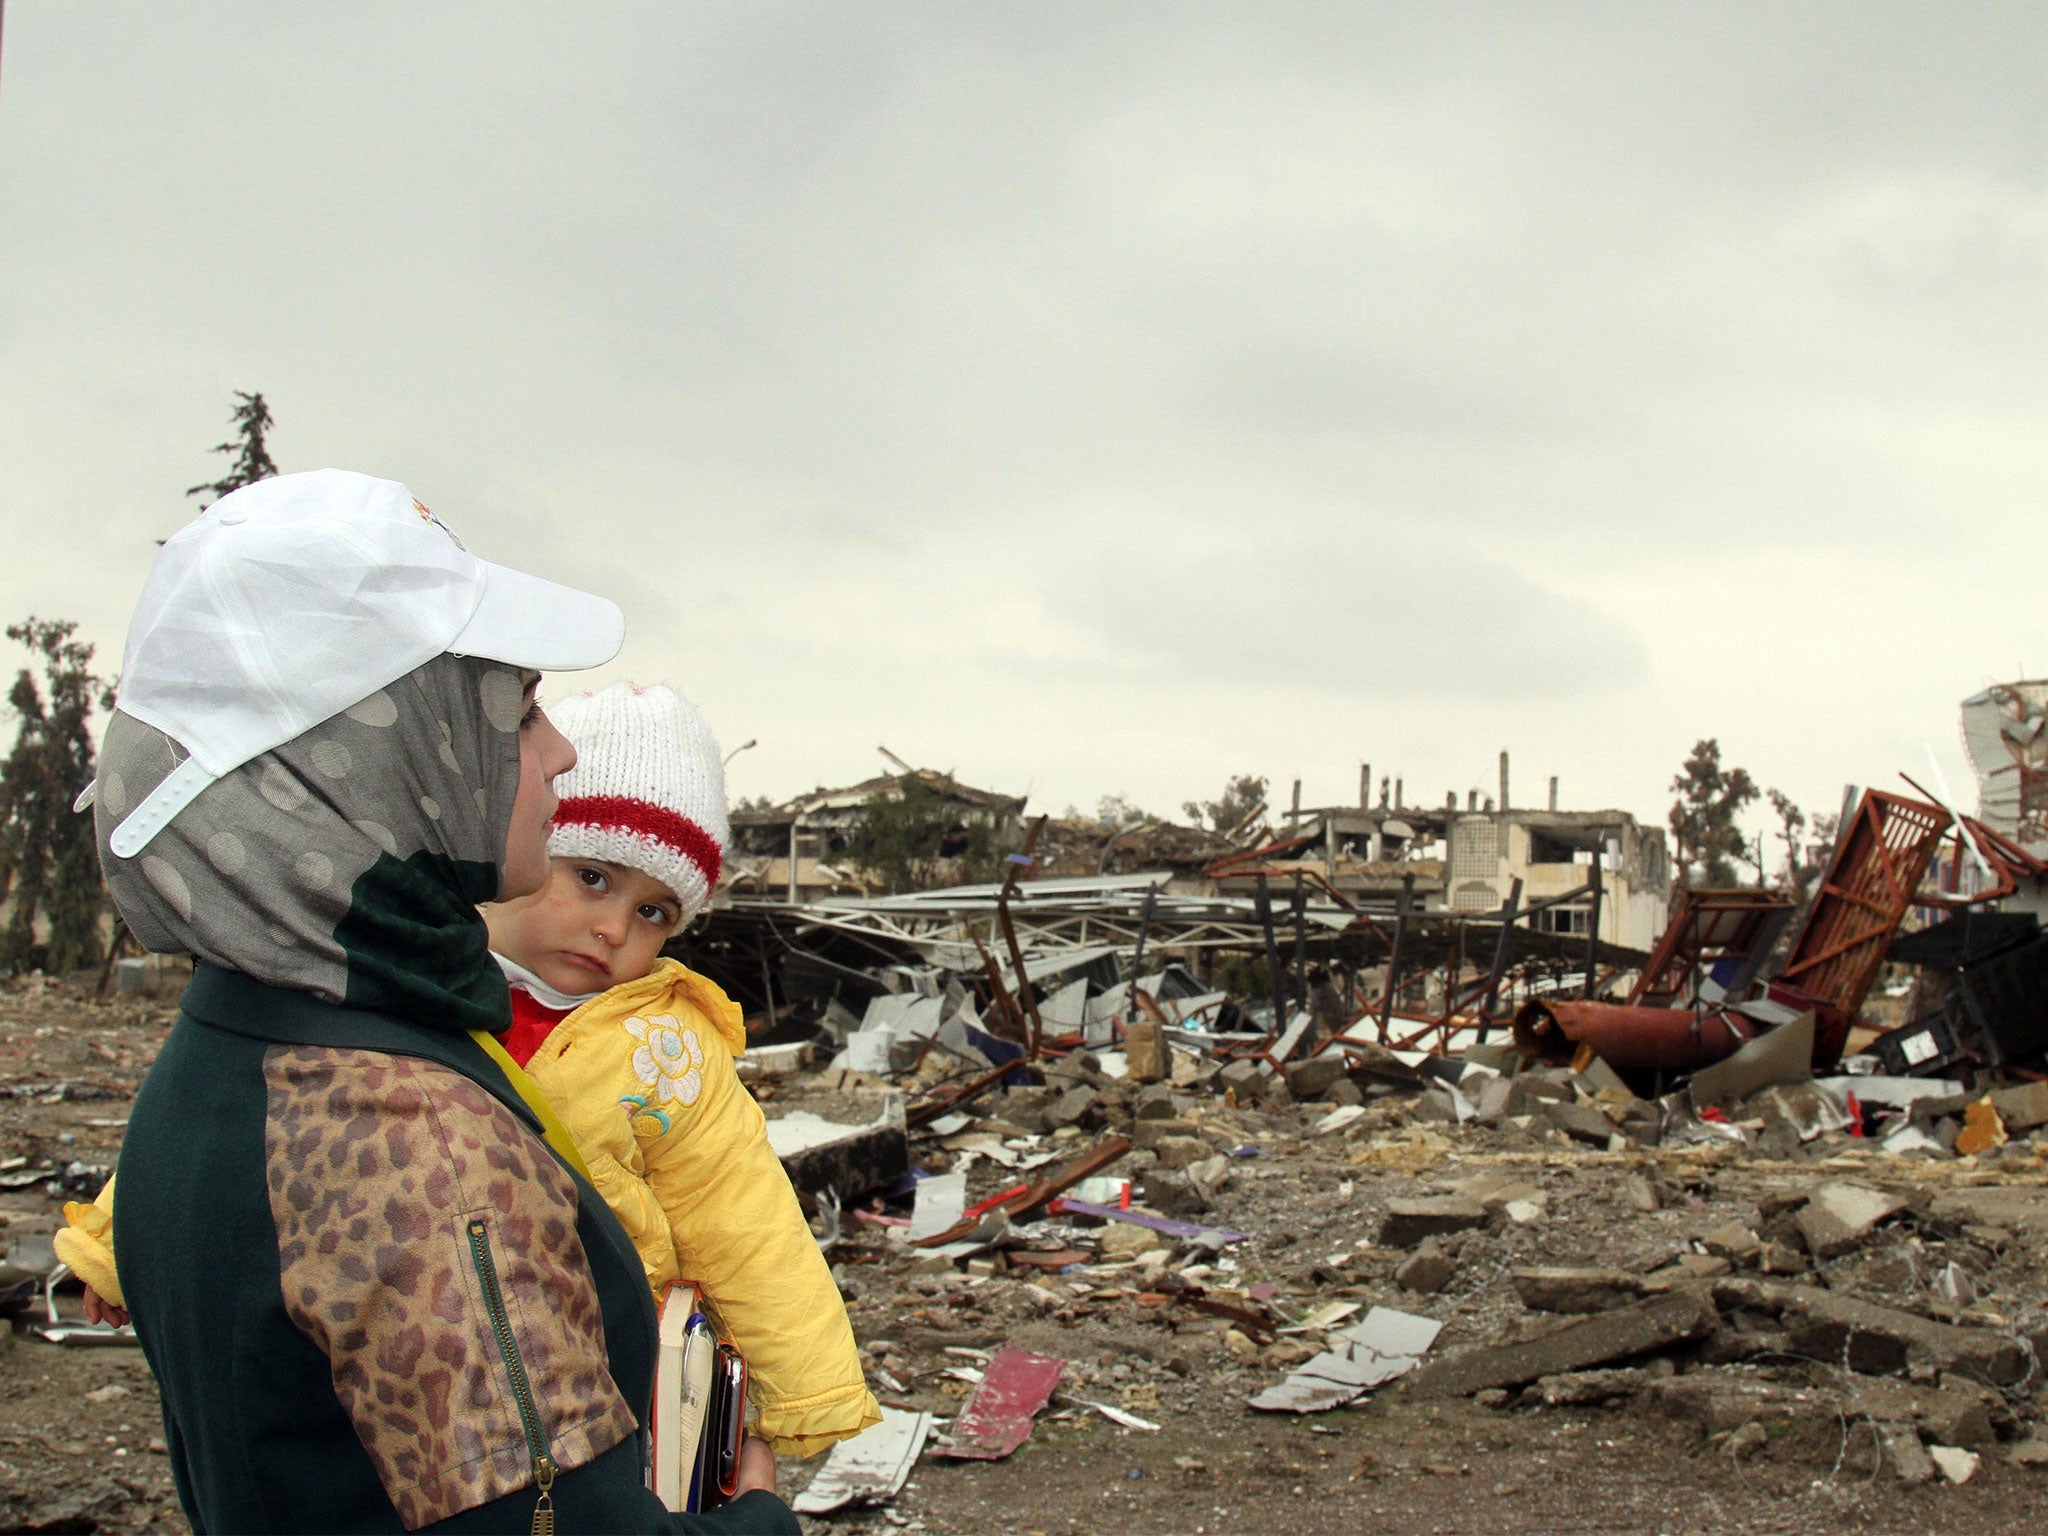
(372, 1297)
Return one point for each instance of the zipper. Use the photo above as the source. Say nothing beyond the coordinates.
(544, 1468)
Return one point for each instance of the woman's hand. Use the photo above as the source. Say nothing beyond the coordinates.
(757, 1466)
(98, 1310)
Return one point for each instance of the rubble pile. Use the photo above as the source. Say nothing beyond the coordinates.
(1811, 1269)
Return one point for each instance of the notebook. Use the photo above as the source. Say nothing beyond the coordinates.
(683, 1374)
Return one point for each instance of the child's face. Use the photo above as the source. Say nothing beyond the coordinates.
(593, 925)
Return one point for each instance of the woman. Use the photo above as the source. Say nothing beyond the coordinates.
(373, 1297)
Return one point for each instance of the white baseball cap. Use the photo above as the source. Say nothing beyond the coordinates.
(290, 599)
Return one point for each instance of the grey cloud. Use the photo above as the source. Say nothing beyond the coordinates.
(1373, 613)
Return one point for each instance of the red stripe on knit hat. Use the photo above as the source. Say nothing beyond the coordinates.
(671, 829)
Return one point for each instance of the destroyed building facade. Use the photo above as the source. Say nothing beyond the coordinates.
(797, 851)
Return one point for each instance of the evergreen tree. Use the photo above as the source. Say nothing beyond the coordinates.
(250, 453)
(1703, 817)
(49, 865)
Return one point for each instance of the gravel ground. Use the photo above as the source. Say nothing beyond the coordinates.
(80, 1446)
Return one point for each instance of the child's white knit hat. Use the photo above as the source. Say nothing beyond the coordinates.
(647, 791)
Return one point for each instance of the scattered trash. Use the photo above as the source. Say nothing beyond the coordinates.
(1387, 1345)
(1114, 1414)
(997, 1416)
(871, 1468)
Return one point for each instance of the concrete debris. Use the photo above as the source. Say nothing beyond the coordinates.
(1585, 1389)
(1550, 1289)
(1838, 1216)
(1149, 1200)
(1908, 1457)
(1428, 1271)
(1597, 1340)
(1957, 1465)
(820, 1155)
(1877, 1340)
(1408, 1222)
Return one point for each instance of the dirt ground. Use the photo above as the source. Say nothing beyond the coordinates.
(81, 1447)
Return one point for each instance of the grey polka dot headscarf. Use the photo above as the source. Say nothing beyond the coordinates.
(349, 861)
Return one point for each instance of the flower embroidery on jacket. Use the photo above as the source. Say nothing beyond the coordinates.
(667, 1059)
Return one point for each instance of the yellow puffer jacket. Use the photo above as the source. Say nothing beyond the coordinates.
(642, 1076)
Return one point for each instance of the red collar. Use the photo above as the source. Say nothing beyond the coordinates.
(532, 1022)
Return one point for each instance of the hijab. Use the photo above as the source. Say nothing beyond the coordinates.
(348, 862)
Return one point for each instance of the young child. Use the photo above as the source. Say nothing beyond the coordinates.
(636, 1052)
(635, 1055)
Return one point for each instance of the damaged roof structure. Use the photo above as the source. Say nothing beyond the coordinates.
(1402, 928)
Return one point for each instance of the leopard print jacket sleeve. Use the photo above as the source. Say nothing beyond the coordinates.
(428, 1247)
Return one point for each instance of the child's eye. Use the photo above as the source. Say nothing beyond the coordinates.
(661, 917)
(593, 879)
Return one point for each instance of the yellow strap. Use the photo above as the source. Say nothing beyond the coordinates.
(551, 1125)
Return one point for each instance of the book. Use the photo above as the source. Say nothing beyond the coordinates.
(683, 1378)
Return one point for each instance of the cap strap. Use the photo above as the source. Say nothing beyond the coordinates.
(177, 790)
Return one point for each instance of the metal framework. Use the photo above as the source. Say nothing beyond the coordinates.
(1871, 880)
(1710, 926)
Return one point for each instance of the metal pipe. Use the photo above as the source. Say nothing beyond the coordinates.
(1500, 954)
(1394, 954)
(1628, 1038)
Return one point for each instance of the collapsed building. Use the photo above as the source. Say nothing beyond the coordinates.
(1421, 930)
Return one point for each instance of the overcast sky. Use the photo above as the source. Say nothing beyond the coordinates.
(1096, 399)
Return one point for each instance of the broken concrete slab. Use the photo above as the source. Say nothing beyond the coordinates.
(821, 1155)
(2015, 1208)
(1733, 1241)
(1581, 1122)
(1147, 1133)
(1596, 1078)
(1957, 1415)
(1599, 1340)
(1245, 1079)
(1838, 1216)
(1957, 1465)
(1408, 1222)
(1181, 1151)
(1310, 1079)
(1426, 1271)
(1908, 1457)
(1574, 1290)
(1875, 1340)
(1494, 1055)
(1586, 1389)
(1071, 1107)
(1154, 1103)
(1495, 1096)
(1718, 1404)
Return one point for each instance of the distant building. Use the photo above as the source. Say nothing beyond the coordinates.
(2005, 729)
(1467, 860)
(796, 851)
